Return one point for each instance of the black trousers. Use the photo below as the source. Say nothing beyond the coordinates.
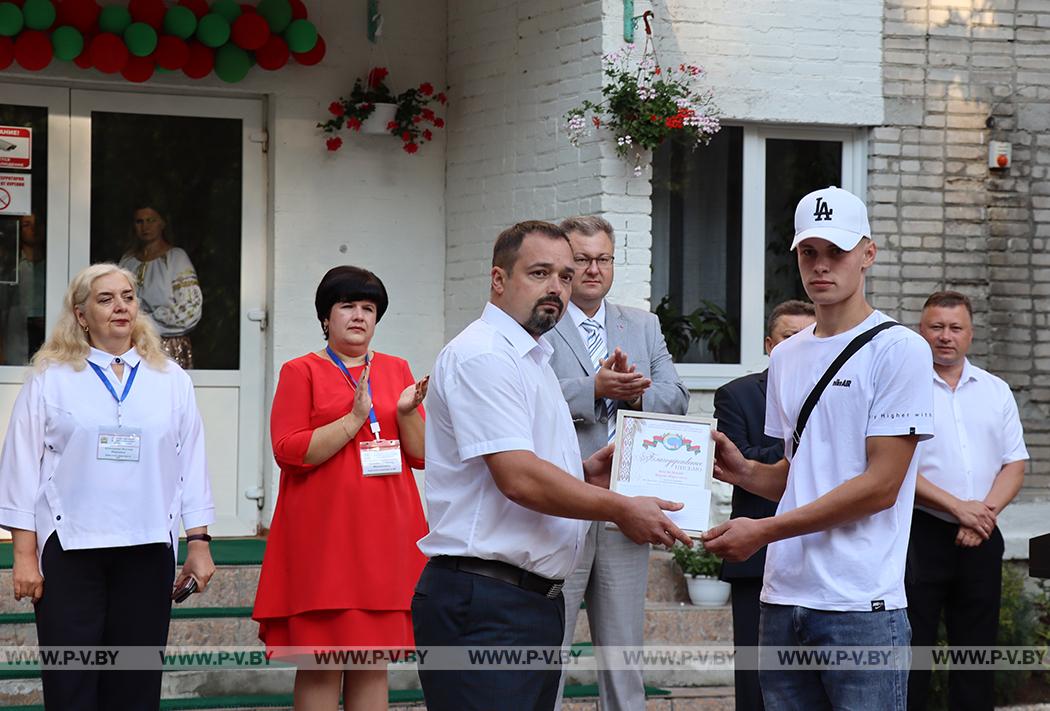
(966, 583)
(745, 592)
(104, 597)
(453, 608)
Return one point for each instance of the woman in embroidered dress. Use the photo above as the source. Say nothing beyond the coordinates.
(167, 282)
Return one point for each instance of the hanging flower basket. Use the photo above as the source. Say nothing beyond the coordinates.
(373, 108)
(646, 103)
(381, 117)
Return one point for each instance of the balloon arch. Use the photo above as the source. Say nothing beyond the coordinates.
(147, 36)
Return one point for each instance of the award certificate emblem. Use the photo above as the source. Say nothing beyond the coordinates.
(670, 457)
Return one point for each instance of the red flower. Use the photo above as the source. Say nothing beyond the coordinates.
(596, 121)
(657, 71)
(376, 76)
(353, 123)
(336, 108)
(439, 122)
(654, 118)
(426, 88)
(441, 97)
(417, 119)
(410, 147)
(428, 114)
(427, 135)
(406, 136)
(391, 125)
(334, 143)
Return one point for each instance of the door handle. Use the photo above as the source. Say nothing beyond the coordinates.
(259, 316)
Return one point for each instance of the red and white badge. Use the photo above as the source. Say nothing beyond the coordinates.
(381, 457)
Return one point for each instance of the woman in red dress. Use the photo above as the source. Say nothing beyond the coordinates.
(341, 559)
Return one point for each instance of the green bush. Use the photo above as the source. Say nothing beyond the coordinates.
(696, 560)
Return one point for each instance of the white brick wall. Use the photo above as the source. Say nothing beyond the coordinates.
(515, 68)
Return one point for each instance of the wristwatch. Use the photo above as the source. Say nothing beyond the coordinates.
(199, 537)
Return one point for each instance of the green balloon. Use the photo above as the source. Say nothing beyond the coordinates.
(232, 63)
(301, 36)
(67, 42)
(277, 13)
(114, 18)
(10, 19)
(180, 22)
(229, 9)
(141, 39)
(213, 30)
(39, 14)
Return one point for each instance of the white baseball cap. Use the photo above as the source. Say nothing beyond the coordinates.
(833, 214)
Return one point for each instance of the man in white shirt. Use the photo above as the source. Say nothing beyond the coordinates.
(608, 356)
(968, 474)
(834, 571)
(508, 498)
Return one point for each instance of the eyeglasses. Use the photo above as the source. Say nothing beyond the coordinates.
(585, 262)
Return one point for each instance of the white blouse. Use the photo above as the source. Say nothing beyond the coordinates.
(168, 290)
(53, 479)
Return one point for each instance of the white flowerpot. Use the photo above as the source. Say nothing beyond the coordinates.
(381, 116)
(707, 592)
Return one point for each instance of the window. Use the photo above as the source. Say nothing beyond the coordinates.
(723, 219)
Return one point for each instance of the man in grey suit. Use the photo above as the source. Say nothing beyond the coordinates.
(608, 357)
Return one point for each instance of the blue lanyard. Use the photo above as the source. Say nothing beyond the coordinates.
(342, 366)
(109, 385)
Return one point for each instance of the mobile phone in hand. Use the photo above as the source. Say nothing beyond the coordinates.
(187, 588)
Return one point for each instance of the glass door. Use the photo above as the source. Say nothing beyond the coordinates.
(173, 188)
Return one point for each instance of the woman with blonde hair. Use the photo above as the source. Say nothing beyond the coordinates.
(103, 459)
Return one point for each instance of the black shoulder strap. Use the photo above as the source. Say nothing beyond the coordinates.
(855, 345)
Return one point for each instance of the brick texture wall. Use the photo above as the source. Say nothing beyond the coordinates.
(943, 218)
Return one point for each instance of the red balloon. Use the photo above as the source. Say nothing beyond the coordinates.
(298, 9)
(109, 54)
(315, 55)
(200, 63)
(7, 52)
(138, 69)
(250, 31)
(149, 11)
(83, 60)
(171, 53)
(81, 14)
(274, 54)
(33, 50)
(197, 7)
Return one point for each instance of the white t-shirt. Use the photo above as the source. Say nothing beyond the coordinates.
(885, 389)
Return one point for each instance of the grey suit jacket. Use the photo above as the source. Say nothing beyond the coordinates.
(636, 333)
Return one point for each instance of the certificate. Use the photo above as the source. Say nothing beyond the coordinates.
(667, 456)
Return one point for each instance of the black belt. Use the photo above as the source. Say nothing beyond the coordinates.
(504, 572)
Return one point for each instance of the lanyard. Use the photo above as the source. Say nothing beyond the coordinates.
(374, 426)
(112, 391)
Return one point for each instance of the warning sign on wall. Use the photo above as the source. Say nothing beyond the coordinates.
(16, 147)
(16, 194)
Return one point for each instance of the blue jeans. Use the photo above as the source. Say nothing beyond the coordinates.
(850, 688)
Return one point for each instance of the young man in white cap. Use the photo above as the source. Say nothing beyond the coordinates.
(838, 544)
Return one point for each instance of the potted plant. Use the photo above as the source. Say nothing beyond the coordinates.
(701, 570)
(709, 323)
(644, 105)
(373, 108)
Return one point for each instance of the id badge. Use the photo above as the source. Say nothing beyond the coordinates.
(381, 457)
(119, 444)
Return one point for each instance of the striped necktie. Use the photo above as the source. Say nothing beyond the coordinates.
(599, 351)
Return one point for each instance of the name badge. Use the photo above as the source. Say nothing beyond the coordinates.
(119, 444)
(381, 457)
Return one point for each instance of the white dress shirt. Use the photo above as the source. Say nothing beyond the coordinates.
(578, 317)
(978, 431)
(51, 478)
(492, 390)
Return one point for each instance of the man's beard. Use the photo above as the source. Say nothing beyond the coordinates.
(540, 321)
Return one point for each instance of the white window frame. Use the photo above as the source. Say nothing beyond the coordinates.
(710, 376)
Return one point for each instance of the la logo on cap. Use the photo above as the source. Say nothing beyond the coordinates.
(831, 214)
